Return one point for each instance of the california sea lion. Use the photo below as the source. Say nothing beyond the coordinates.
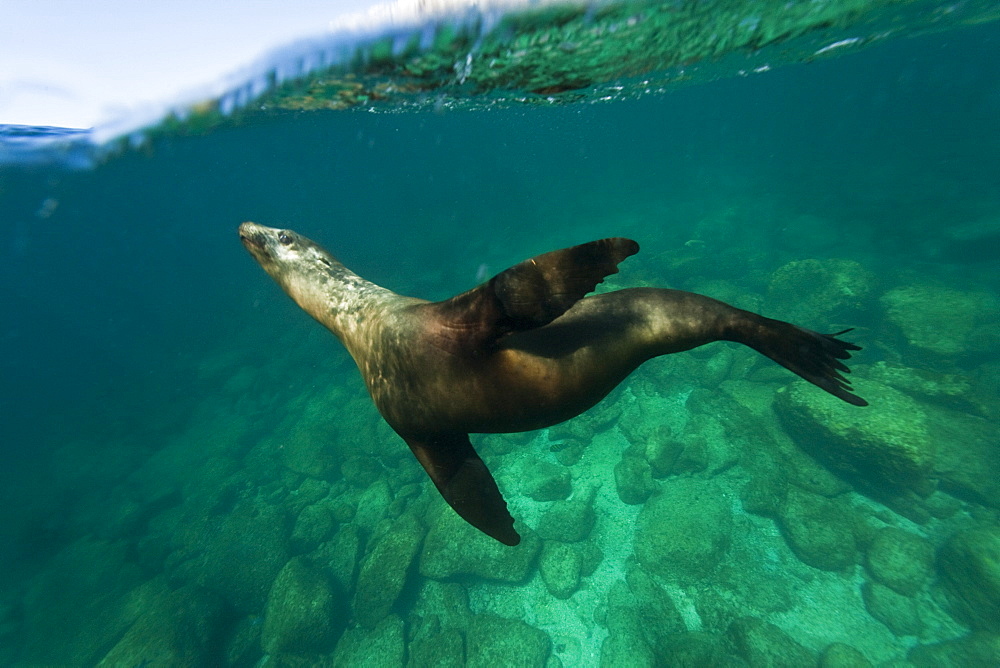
(524, 350)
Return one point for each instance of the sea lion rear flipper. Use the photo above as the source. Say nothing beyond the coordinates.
(530, 294)
(813, 356)
(465, 483)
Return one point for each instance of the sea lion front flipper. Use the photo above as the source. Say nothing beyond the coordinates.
(530, 294)
(465, 483)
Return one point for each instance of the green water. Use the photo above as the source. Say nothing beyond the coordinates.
(195, 475)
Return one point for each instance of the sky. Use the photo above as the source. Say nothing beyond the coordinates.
(77, 64)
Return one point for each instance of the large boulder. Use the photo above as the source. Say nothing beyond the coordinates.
(494, 641)
(455, 547)
(761, 643)
(544, 481)
(642, 621)
(888, 442)
(969, 564)
(560, 566)
(819, 530)
(900, 613)
(840, 655)
(900, 560)
(79, 605)
(968, 456)
(633, 479)
(976, 649)
(382, 646)
(570, 520)
(235, 554)
(384, 571)
(303, 614)
(814, 292)
(176, 628)
(683, 531)
(942, 320)
(436, 623)
(314, 524)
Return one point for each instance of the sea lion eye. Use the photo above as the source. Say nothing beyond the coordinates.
(284, 238)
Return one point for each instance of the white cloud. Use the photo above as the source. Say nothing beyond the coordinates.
(77, 64)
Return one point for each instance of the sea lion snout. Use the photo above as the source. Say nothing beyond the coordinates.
(252, 234)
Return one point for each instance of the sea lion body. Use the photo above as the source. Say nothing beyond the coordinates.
(535, 378)
(523, 351)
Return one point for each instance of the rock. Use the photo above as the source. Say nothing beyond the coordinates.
(242, 644)
(967, 461)
(341, 555)
(373, 506)
(819, 291)
(306, 447)
(494, 641)
(591, 557)
(761, 643)
(361, 472)
(818, 530)
(900, 560)
(662, 451)
(569, 452)
(439, 616)
(454, 547)
(570, 520)
(383, 572)
(301, 616)
(887, 442)
(237, 555)
(642, 608)
(633, 479)
(839, 655)
(314, 524)
(806, 473)
(698, 648)
(694, 456)
(441, 605)
(626, 647)
(443, 649)
(976, 649)
(683, 531)
(560, 566)
(77, 607)
(942, 506)
(969, 564)
(900, 613)
(311, 491)
(545, 481)
(920, 382)
(943, 321)
(372, 648)
(764, 495)
(176, 628)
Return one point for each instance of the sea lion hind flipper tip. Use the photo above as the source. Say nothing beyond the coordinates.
(465, 483)
(812, 355)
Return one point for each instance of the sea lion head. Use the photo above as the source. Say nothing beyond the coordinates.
(299, 265)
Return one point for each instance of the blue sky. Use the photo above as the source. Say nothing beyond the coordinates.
(76, 63)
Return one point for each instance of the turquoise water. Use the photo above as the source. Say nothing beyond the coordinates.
(194, 474)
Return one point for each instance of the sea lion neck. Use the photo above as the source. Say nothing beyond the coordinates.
(321, 285)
